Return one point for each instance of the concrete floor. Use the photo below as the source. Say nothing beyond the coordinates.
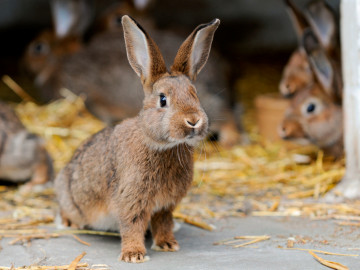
(197, 249)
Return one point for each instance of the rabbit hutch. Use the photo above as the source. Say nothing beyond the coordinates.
(231, 126)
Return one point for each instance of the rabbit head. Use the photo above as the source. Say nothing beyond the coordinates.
(315, 113)
(46, 50)
(297, 74)
(44, 54)
(172, 113)
(318, 16)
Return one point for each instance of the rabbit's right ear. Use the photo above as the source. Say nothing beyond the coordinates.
(319, 61)
(71, 18)
(195, 50)
(323, 22)
(143, 54)
(297, 18)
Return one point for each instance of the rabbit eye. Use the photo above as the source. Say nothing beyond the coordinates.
(40, 48)
(162, 100)
(310, 108)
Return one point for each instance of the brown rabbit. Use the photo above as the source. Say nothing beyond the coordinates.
(22, 154)
(100, 71)
(124, 177)
(44, 54)
(315, 112)
(318, 16)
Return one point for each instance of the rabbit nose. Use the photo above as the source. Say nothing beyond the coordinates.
(284, 131)
(193, 123)
(291, 88)
(285, 88)
(289, 129)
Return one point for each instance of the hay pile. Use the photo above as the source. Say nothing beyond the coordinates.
(260, 179)
(64, 124)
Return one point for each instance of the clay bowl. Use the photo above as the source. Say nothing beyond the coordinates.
(270, 110)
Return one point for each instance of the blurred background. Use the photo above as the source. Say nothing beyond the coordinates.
(255, 36)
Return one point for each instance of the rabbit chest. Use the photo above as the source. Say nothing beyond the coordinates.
(169, 176)
(155, 180)
(146, 183)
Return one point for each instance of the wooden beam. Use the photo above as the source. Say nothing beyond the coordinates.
(350, 43)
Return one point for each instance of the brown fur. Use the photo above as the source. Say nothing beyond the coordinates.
(124, 177)
(22, 154)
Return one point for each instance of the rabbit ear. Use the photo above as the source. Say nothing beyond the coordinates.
(297, 18)
(319, 61)
(143, 54)
(323, 22)
(71, 17)
(195, 50)
(141, 4)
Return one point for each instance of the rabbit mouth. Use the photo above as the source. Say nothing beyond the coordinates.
(192, 138)
(195, 135)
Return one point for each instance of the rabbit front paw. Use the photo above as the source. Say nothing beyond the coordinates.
(166, 245)
(133, 256)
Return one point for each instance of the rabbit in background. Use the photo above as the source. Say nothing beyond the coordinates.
(318, 16)
(99, 71)
(135, 173)
(22, 154)
(315, 113)
(44, 54)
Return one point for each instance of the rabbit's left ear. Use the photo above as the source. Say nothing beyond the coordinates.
(298, 19)
(195, 50)
(71, 17)
(319, 61)
(322, 21)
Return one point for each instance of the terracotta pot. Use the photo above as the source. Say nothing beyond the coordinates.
(270, 110)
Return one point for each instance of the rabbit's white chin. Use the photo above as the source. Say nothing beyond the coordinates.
(193, 141)
(172, 142)
(189, 140)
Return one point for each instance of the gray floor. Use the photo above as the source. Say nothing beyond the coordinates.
(197, 249)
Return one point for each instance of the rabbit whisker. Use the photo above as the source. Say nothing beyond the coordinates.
(178, 155)
(215, 145)
(219, 92)
(186, 165)
(204, 168)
